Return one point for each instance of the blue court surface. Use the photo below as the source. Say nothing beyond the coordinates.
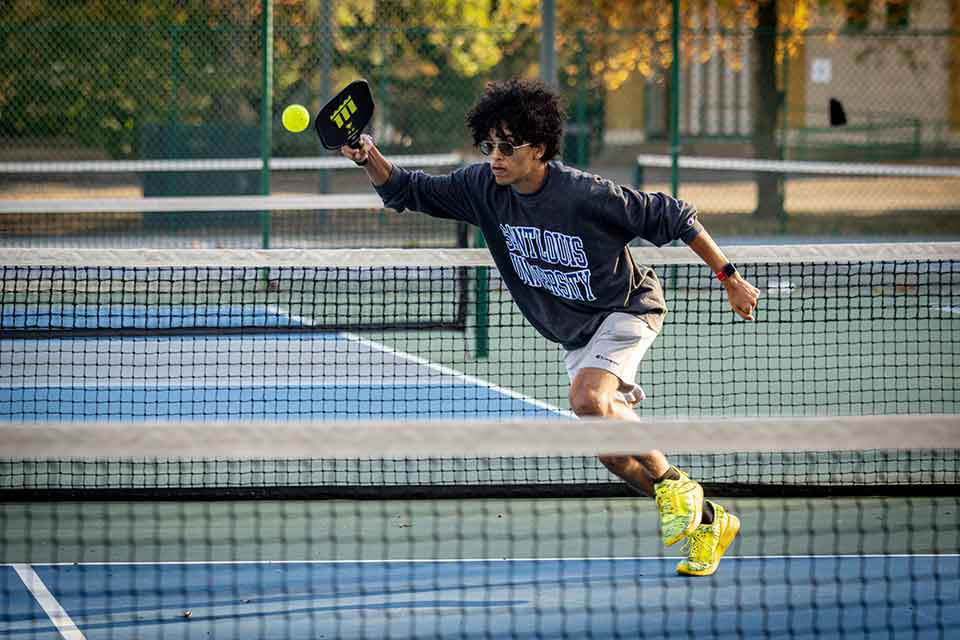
(317, 376)
(877, 596)
(142, 316)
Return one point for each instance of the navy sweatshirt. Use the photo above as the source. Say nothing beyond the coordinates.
(562, 251)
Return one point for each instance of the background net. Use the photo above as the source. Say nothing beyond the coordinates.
(117, 335)
(727, 191)
(317, 202)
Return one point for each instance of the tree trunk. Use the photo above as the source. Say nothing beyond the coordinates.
(767, 102)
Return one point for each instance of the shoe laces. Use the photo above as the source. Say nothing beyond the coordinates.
(672, 496)
(667, 503)
(701, 542)
(664, 503)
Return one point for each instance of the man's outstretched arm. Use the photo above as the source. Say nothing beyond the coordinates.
(373, 162)
(741, 294)
(442, 196)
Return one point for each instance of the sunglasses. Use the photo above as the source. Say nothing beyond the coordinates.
(505, 148)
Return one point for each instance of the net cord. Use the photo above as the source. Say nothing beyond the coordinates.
(443, 258)
(389, 439)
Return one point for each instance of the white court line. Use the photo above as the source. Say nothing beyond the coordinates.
(271, 383)
(945, 308)
(458, 374)
(58, 616)
(849, 556)
(409, 357)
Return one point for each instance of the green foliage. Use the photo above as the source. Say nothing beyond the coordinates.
(95, 73)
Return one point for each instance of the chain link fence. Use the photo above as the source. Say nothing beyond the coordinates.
(900, 93)
(185, 80)
(168, 79)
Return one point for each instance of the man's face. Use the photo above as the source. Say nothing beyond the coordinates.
(508, 169)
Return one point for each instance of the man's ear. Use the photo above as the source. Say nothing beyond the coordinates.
(541, 151)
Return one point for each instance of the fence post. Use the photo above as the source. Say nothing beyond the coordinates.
(675, 100)
(637, 175)
(326, 70)
(582, 125)
(548, 53)
(266, 113)
(675, 117)
(173, 112)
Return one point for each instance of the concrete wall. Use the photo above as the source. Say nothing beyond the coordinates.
(883, 76)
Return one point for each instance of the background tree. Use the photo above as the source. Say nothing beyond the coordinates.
(95, 71)
(628, 36)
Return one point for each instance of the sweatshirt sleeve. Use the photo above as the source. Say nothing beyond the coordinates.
(654, 217)
(446, 196)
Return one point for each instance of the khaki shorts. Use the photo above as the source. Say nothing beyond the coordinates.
(618, 346)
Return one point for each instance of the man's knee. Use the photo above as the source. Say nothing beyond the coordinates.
(590, 401)
(616, 464)
(650, 459)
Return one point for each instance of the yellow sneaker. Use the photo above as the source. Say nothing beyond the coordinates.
(708, 543)
(680, 503)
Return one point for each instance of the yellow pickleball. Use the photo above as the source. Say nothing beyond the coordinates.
(296, 118)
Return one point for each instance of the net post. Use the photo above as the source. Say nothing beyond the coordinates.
(482, 280)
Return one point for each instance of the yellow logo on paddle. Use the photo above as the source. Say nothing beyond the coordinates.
(342, 115)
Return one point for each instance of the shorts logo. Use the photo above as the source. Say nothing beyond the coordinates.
(600, 356)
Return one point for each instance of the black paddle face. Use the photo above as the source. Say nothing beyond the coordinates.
(341, 121)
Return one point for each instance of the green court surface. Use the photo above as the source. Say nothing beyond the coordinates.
(843, 353)
(265, 530)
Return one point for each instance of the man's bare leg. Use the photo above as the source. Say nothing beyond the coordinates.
(593, 393)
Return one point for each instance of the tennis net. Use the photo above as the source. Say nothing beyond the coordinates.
(341, 334)
(317, 202)
(179, 530)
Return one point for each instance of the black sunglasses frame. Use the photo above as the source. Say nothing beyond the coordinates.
(505, 148)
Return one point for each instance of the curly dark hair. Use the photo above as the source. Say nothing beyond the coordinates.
(530, 110)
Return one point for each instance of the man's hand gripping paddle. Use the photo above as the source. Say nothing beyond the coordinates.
(341, 121)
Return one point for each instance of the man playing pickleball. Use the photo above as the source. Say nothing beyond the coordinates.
(559, 237)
